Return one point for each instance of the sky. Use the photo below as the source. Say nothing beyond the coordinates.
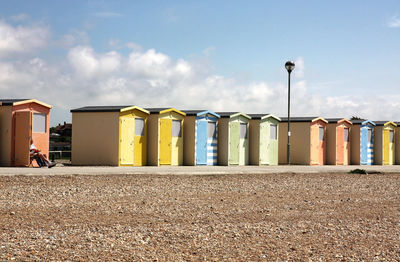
(214, 55)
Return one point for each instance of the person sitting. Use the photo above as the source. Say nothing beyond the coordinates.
(40, 158)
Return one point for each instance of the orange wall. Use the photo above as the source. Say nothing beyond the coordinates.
(41, 140)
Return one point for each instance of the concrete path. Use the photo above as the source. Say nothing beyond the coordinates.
(191, 170)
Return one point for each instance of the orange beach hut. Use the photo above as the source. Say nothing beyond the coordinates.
(338, 141)
(20, 121)
(307, 140)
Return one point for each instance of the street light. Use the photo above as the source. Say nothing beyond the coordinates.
(289, 65)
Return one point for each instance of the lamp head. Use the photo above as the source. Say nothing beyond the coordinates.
(289, 65)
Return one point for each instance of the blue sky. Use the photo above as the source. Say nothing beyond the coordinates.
(179, 53)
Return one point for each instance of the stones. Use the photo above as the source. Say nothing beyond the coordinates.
(318, 217)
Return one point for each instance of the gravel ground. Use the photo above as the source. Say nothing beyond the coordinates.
(278, 217)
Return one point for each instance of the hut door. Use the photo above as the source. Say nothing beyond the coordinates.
(23, 133)
(201, 142)
(391, 147)
(243, 145)
(317, 145)
(346, 146)
(127, 140)
(234, 139)
(339, 145)
(165, 141)
(386, 147)
(364, 144)
(212, 143)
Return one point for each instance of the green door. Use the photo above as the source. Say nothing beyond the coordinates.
(234, 133)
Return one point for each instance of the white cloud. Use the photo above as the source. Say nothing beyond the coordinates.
(394, 22)
(88, 64)
(21, 39)
(149, 78)
(134, 46)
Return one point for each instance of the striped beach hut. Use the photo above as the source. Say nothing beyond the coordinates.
(109, 136)
(384, 143)
(362, 142)
(200, 139)
(22, 120)
(263, 130)
(165, 136)
(338, 141)
(307, 140)
(233, 139)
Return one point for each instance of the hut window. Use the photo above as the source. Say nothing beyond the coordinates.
(273, 133)
(176, 128)
(39, 123)
(370, 135)
(212, 129)
(243, 130)
(321, 133)
(346, 135)
(139, 127)
(391, 137)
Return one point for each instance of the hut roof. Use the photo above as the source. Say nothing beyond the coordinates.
(232, 114)
(263, 116)
(337, 120)
(107, 109)
(384, 123)
(161, 110)
(303, 119)
(14, 102)
(362, 122)
(200, 112)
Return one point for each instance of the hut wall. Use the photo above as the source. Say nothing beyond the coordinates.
(378, 145)
(189, 156)
(223, 141)
(95, 138)
(152, 140)
(254, 141)
(299, 143)
(331, 143)
(355, 143)
(5, 135)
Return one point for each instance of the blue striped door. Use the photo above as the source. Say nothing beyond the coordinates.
(201, 142)
(364, 145)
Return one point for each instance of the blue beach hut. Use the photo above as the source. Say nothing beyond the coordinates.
(362, 142)
(200, 141)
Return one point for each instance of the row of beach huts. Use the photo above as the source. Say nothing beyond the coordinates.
(135, 136)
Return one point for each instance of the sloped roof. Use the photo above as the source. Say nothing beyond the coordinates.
(14, 102)
(362, 122)
(99, 109)
(303, 119)
(384, 123)
(337, 120)
(161, 110)
(263, 116)
(200, 112)
(232, 114)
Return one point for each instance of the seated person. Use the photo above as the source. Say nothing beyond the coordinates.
(40, 158)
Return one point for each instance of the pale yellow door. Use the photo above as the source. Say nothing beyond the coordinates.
(165, 141)
(127, 137)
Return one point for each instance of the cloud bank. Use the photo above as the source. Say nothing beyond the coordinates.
(149, 78)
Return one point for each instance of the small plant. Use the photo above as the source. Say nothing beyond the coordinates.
(358, 171)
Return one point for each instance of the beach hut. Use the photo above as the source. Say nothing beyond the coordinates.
(165, 136)
(109, 136)
(263, 139)
(362, 142)
(233, 138)
(384, 151)
(338, 141)
(200, 139)
(307, 140)
(20, 121)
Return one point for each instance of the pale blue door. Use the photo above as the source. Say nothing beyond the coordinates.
(201, 142)
(364, 145)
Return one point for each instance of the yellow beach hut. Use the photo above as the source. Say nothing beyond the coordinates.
(165, 136)
(384, 147)
(109, 135)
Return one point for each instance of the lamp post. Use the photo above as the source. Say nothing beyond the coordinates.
(289, 65)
